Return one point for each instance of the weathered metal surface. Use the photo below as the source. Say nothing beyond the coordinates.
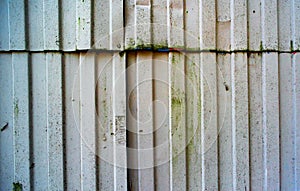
(222, 114)
(196, 121)
(117, 25)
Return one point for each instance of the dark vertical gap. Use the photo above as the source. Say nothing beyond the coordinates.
(249, 120)
(279, 121)
(279, 104)
(60, 32)
(153, 118)
(31, 148)
(97, 125)
(186, 108)
(217, 100)
(218, 122)
(92, 23)
(127, 131)
(248, 88)
(294, 90)
(64, 138)
(186, 125)
(127, 111)
(131, 172)
(124, 25)
(26, 23)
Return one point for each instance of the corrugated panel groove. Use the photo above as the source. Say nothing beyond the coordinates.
(149, 95)
(120, 25)
(227, 114)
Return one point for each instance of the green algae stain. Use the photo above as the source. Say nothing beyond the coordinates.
(17, 186)
(16, 107)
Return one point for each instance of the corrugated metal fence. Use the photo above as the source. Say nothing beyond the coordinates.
(150, 95)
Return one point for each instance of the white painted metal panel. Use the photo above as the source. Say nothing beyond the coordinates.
(177, 121)
(21, 116)
(161, 121)
(144, 121)
(87, 121)
(223, 134)
(72, 154)
(84, 23)
(135, 113)
(51, 25)
(193, 132)
(209, 129)
(17, 25)
(270, 104)
(4, 30)
(68, 25)
(55, 121)
(224, 122)
(240, 122)
(6, 117)
(118, 25)
(35, 25)
(256, 122)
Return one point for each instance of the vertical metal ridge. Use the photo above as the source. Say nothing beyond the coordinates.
(255, 124)
(265, 187)
(7, 110)
(17, 25)
(39, 122)
(161, 121)
(84, 25)
(269, 33)
(143, 24)
(110, 23)
(159, 19)
(285, 25)
(233, 119)
(224, 120)
(191, 25)
(131, 91)
(72, 120)
(51, 25)
(116, 25)
(101, 34)
(240, 119)
(294, 125)
(144, 121)
(170, 120)
(209, 131)
(178, 121)
(54, 121)
(4, 22)
(119, 122)
(175, 23)
(254, 25)
(296, 34)
(297, 119)
(21, 122)
(87, 121)
(207, 25)
(271, 120)
(35, 25)
(193, 120)
(68, 25)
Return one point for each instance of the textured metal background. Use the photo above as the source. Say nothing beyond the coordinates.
(238, 119)
(116, 25)
(208, 91)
